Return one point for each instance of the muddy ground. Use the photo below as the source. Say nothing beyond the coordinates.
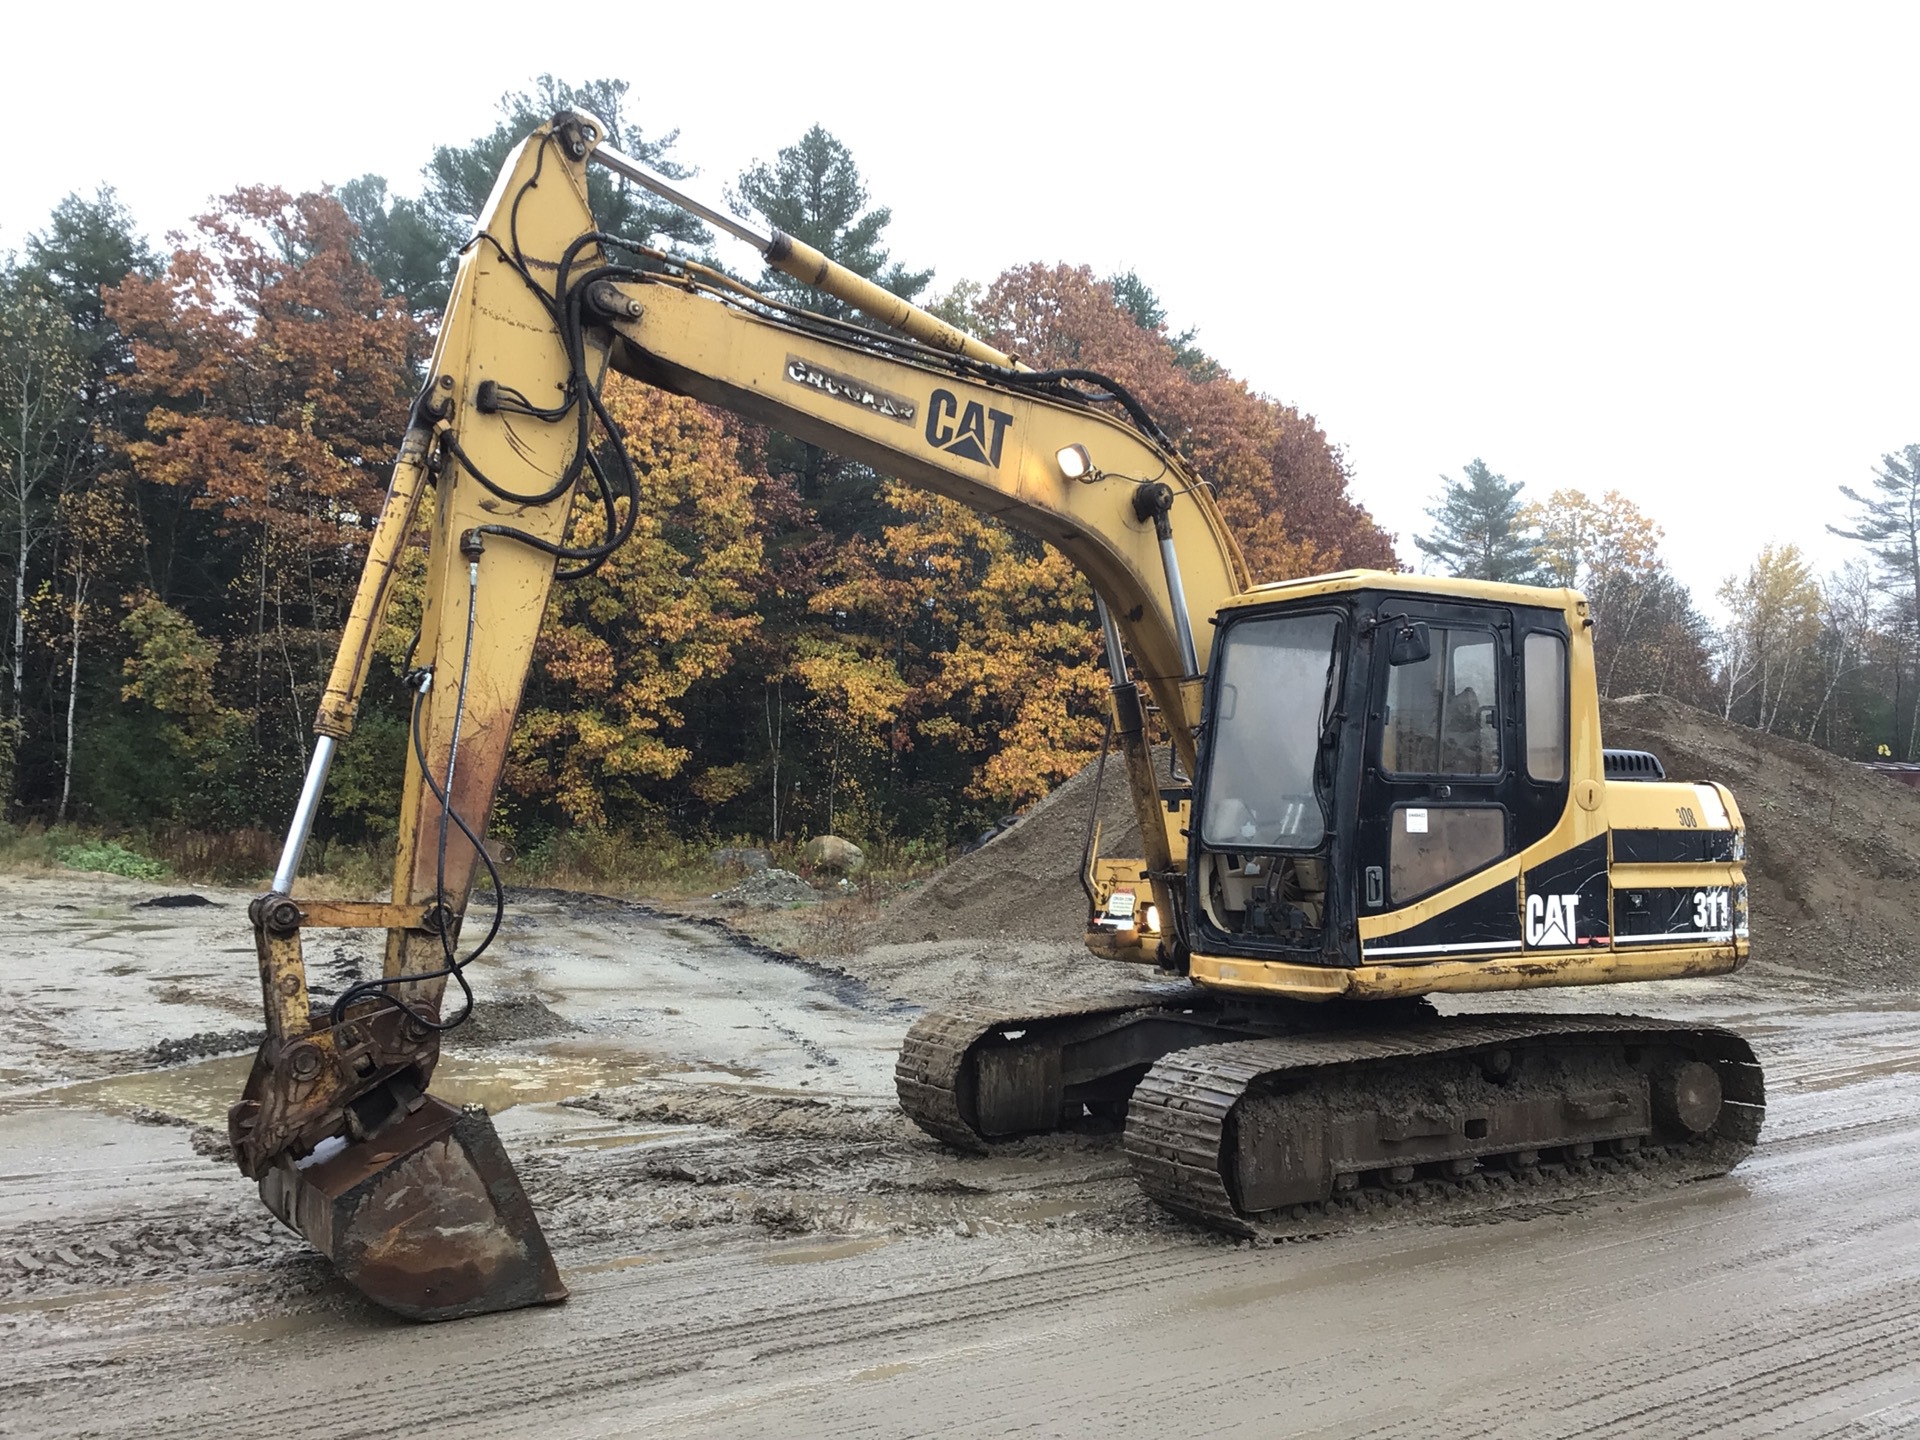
(758, 1243)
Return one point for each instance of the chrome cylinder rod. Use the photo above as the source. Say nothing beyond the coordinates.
(670, 191)
(1116, 657)
(303, 813)
(1176, 593)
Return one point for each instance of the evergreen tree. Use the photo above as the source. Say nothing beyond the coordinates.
(1477, 529)
(1887, 522)
(813, 191)
(1136, 297)
(85, 515)
(459, 178)
(88, 247)
(401, 242)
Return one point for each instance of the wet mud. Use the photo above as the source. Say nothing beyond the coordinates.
(759, 1243)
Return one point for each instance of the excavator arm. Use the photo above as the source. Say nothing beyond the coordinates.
(415, 1201)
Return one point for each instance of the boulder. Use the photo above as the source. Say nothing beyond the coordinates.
(830, 852)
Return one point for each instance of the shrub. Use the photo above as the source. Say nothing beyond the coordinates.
(112, 857)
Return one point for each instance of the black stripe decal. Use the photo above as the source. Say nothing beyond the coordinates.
(1672, 847)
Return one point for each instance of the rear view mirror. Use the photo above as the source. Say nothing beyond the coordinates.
(1410, 644)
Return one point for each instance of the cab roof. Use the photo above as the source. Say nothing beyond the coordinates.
(1440, 587)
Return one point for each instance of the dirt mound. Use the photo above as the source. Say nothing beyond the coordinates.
(500, 1019)
(1833, 850)
(1024, 884)
(1834, 854)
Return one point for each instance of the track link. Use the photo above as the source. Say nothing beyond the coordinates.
(1182, 1122)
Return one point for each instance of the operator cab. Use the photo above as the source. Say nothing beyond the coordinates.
(1402, 738)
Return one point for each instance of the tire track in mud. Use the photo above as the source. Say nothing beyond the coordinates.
(1788, 1286)
(670, 1337)
(719, 1322)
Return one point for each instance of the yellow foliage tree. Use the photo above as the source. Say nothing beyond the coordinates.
(622, 647)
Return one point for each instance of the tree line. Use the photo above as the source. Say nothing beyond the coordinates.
(1833, 659)
(196, 442)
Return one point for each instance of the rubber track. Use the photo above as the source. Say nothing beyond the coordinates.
(927, 1074)
(1177, 1119)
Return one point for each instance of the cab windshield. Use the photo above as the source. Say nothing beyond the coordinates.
(1278, 675)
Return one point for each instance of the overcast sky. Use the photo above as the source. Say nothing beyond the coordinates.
(1661, 248)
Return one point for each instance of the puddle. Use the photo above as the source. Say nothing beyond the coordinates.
(200, 1093)
(619, 1140)
(816, 1254)
(604, 1267)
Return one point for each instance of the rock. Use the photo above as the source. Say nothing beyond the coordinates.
(830, 852)
(750, 858)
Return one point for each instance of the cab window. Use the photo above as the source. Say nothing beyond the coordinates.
(1544, 661)
(1443, 713)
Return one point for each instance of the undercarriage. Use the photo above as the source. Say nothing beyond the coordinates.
(1256, 1119)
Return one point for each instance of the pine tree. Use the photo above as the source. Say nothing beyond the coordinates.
(1477, 529)
(1888, 524)
(813, 191)
(401, 238)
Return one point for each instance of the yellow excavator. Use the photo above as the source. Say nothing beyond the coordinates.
(1383, 787)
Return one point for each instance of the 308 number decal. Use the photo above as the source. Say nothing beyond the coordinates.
(1712, 910)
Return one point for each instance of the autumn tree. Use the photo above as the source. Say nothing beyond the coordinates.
(605, 720)
(1646, 637)
(1477, 528)
(974, 646)
(276, 377)
(1773, 621)
(171, 672)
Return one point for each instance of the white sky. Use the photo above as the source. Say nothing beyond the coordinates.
(1663, 248)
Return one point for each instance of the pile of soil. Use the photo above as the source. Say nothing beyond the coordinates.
(501, 1019)
(1833, 860)
(1024, 884)
(1833, 849)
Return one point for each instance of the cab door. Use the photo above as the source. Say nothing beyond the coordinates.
(1437, 794)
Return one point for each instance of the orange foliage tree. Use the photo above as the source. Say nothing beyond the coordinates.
(976, 640)
(275, 379)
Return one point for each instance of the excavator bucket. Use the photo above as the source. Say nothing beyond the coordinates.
(427, 1218)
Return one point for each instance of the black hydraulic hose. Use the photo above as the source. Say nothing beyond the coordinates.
(1120, 394)
(454, 967)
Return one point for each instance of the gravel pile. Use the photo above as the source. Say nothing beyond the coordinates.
(771, 888)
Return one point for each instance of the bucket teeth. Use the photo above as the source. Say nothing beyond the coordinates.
(427, 1218)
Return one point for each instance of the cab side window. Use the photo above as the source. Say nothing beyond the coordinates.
(1443, 713)
(1544, 663)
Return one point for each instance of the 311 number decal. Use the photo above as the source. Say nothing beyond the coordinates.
(1712, 910)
